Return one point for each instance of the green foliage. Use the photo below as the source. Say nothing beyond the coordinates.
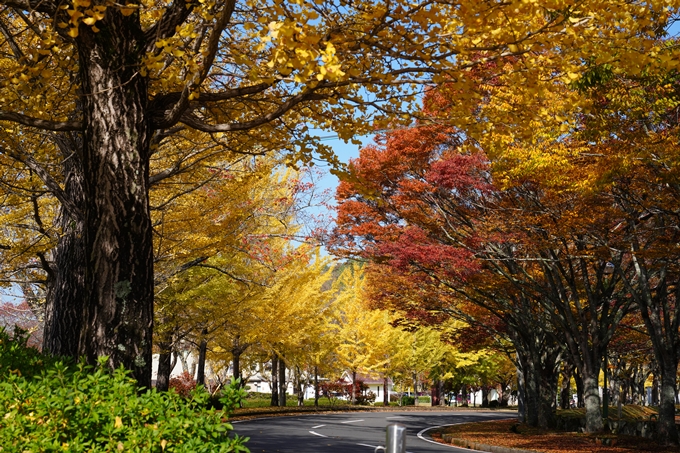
(76, 407)
(408, 400)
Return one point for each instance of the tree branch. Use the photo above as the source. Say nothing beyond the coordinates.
(196, 123)
(43, 6)
(51, 184)
(167, 25)
(172, 116)
(39, 123)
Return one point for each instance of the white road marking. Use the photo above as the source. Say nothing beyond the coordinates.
(369, 446)
(421, 437)
(317, 426)
(395, 417)
(317, 434)
(352, 421)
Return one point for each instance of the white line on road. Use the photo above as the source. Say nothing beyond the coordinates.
(317, 434)
(421, 437)
(317, 426)
(352, 421)
(369, 446)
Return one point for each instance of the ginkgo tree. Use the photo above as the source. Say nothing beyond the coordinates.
(99, 87)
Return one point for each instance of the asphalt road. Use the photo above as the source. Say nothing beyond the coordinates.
(352, 432)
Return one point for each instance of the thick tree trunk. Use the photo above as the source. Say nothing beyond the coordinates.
(118, 302)
(66, 284)
(531, 394)
(282, 382)
(521, 397)
(548, 395)
(667, 431)
(353, 397)
(275, 379)
(591, 392)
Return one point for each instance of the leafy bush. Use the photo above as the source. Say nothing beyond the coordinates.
(183, 384)
(408, 400)
(50, 405)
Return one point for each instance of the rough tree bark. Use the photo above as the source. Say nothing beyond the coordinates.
(66, 283)
(118, 299)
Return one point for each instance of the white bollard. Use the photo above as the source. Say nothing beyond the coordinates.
(395, 439)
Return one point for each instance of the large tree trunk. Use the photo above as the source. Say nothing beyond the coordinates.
(66, 283)
(521, 396)
(118, 301)
(548, 394)
(591, 392)
(531, 392)
(666, 428)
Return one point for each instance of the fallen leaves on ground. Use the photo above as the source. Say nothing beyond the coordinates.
(502, 433)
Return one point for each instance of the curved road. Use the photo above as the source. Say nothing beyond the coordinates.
(352, 432)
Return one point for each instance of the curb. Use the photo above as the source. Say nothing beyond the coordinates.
(449, 439)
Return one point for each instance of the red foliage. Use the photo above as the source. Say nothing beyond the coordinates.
(341, 389)
(183, 384)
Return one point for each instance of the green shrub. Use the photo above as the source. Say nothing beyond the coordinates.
(49, 405)
(408, 400)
